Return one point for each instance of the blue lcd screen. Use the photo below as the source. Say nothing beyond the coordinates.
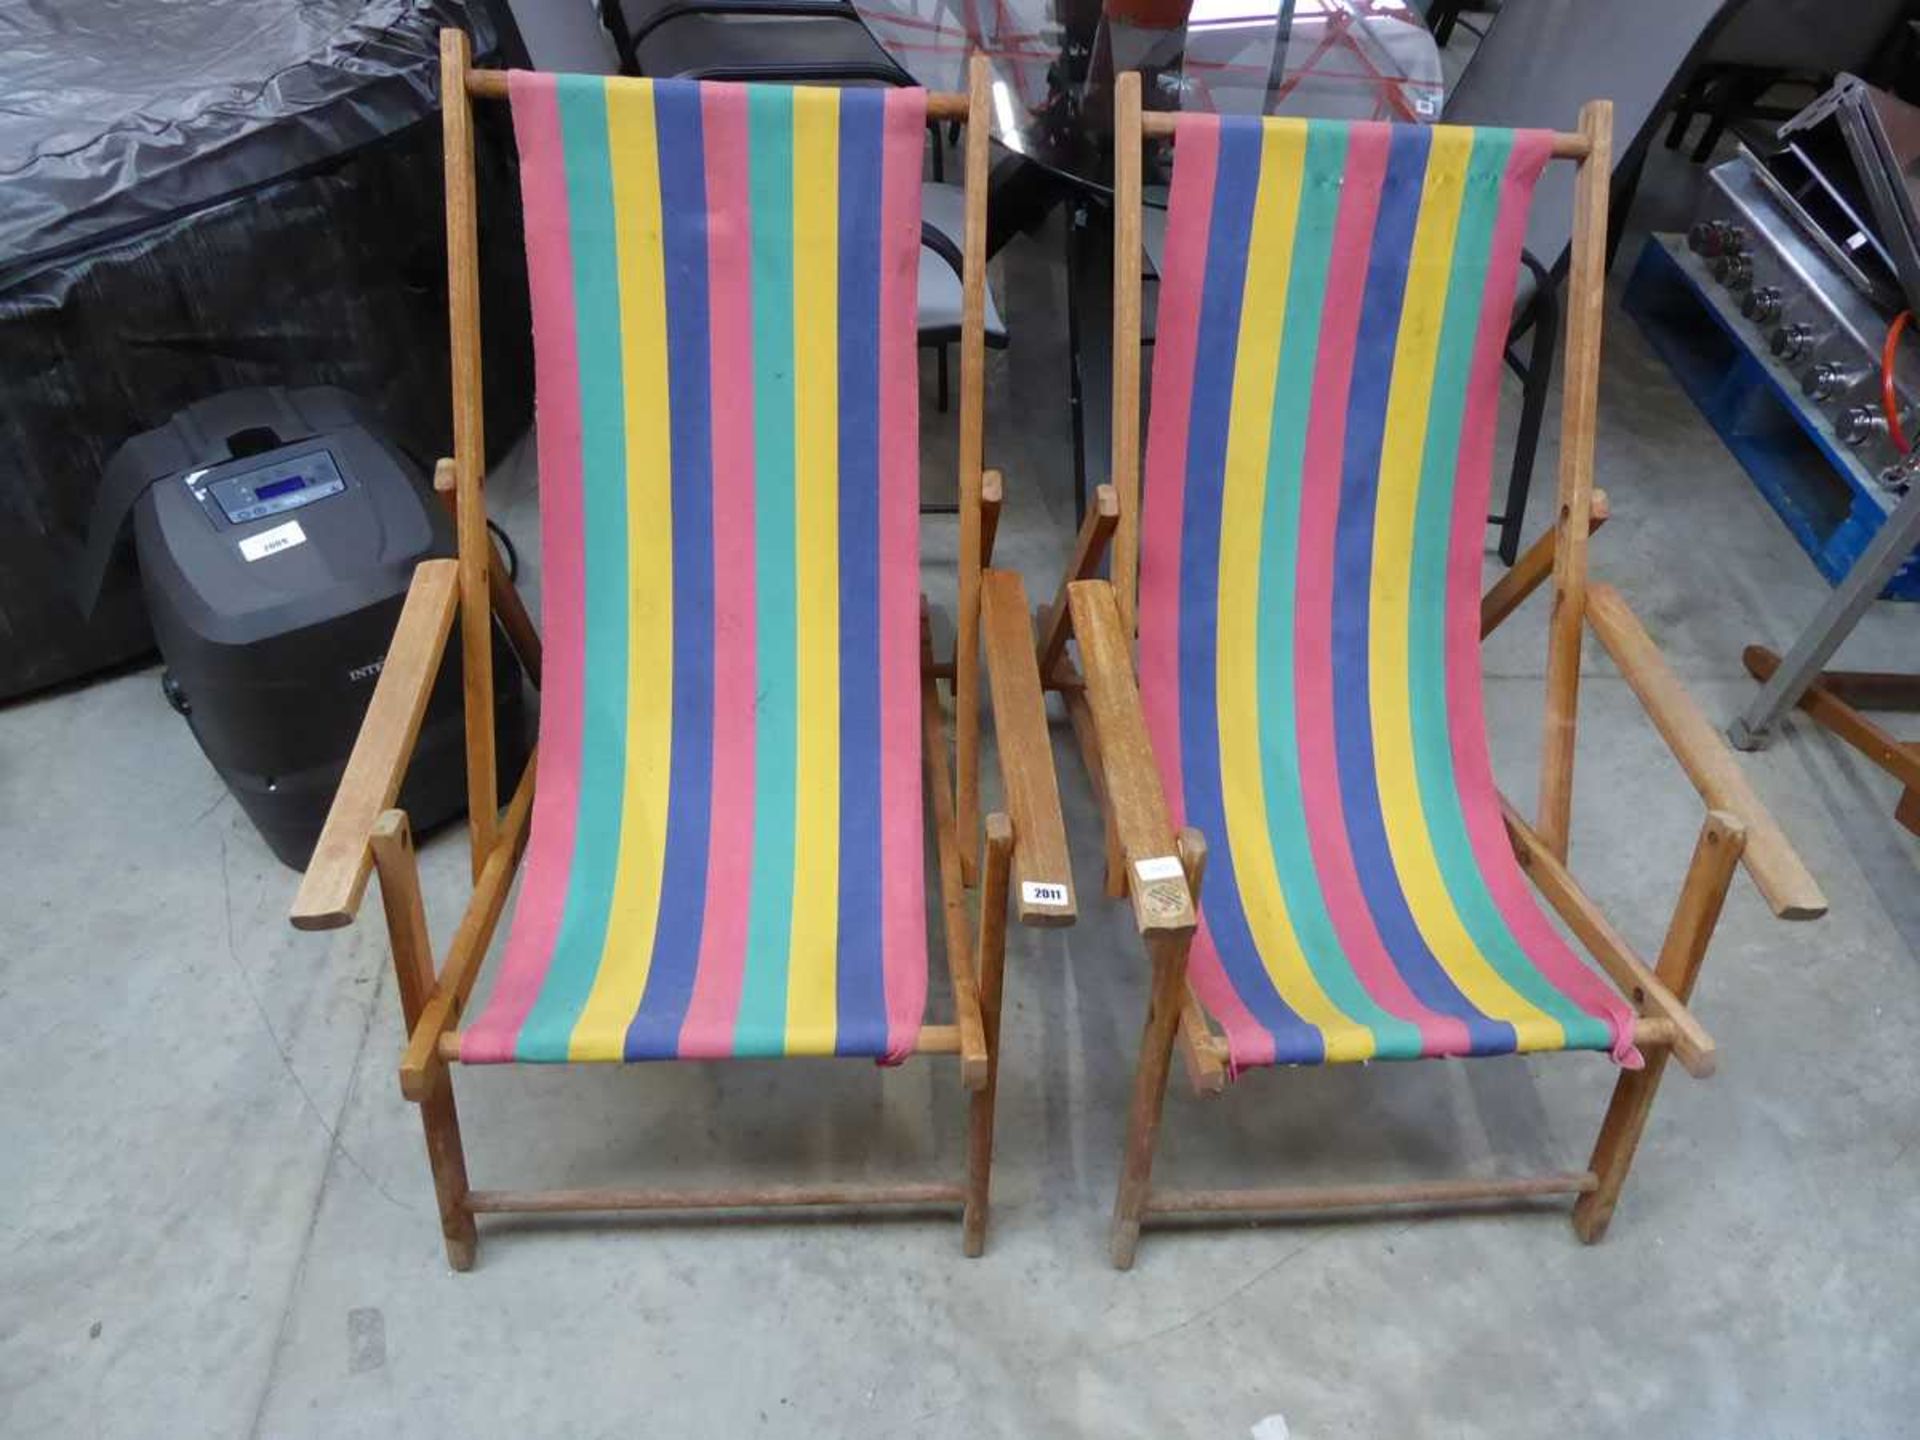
(281, 487)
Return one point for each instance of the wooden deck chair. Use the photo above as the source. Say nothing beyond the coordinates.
(724, 851)
(1308, 693)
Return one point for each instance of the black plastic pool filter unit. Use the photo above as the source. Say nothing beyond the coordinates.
(276, 532)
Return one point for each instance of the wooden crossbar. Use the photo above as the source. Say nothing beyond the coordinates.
(932, 1040)
(1160, 124)
(941, 104)
(1364, 1197)
(742, 1197)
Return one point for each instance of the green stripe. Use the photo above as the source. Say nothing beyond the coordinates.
(596, 848)
(761, 1026)
(1294, 378)
(1427, 599)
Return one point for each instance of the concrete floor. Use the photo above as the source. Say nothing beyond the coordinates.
(216, 1218)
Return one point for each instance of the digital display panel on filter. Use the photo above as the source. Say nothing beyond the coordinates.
(281, 487)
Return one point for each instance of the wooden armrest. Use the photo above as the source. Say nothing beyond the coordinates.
(1156, 878)
(1702, 752)
(1692, 1046)
(1096, 532)
(1043, 875)
(336, 876)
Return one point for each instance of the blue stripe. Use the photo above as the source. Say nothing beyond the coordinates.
(544, 1035)
(859, 980)
(1230, 229)
(655, 1031)
(1353, 564)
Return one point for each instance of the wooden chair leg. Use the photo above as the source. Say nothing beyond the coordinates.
(989, 966)
(1907, 812)
(393, 857)
(1715, 857)
(449, 1163)
(1169, 953)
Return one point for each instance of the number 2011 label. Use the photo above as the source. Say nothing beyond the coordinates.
(1037, 892)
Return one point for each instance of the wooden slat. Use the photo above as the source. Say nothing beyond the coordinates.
(392, 844)
(973, 359)
(508, 606)
(1715, 857)
(1363, 1197)
(1096, 533)
(1535, 564)
(992, 493)
(1201, 1052)
(1703, 753)
(492, 85)
(469, 442)
(953, 904)
(511, 609)
(1127, 270)
(742, 1197)
(336, 876)
(1134, 798)
(1025, 751)
(421, 1069)
(413, 973)
(989, 967)
(931, 1040)
(1073, 692)
(1585, 297)
(1872, 689)
(1824, 704)
(1691, 1043)
(1160, 124)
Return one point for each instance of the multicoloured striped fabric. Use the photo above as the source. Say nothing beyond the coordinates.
(1334, 303)
(726, 854)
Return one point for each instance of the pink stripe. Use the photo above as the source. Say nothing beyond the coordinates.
(1176, 344)
(707, 1031)
(903, 866)
(1319, 512)
(543, 891)
(1473, 767)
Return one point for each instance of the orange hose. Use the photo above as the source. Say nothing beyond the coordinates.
(1889, 400)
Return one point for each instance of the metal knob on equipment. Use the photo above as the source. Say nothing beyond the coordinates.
(1711, 238)
(1824, 380)
(1790, 342)
(1860, 424)
(1761, 304)
(1734, 269)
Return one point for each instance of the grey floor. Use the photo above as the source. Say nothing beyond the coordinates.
(216, 1220)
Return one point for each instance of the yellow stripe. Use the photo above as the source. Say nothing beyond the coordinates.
(600, 1032)
(811, 1008)
(1276, 209)
(1416, 348)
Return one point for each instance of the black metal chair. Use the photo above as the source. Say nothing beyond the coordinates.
(1806, 42)
(792, 41)
(1538, 58)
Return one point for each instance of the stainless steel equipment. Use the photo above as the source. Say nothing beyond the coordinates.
(1818, 244)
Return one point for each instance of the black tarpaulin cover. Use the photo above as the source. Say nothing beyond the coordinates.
(200, 195)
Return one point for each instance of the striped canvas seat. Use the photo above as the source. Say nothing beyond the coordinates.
(726, 847)
(1333, 306)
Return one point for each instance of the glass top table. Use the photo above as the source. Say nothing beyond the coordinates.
(1054, 61)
